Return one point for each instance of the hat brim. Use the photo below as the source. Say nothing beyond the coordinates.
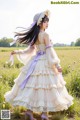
(47, 13)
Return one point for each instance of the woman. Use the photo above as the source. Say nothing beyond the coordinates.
(40, 86)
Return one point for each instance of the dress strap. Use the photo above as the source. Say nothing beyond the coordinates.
(48, 46)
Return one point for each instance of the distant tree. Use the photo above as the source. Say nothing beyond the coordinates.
(5, 42)
(59, 45)
(72, 44)
(77, 42)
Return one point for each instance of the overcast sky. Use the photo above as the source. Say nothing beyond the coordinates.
(64, 24)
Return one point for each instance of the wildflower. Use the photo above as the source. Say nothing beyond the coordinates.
(69, 66)
(0, 76)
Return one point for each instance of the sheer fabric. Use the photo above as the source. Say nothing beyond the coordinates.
(25, 55)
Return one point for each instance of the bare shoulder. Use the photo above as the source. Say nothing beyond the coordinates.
(46, 38)
(46, 35)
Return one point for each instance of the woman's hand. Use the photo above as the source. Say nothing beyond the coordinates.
(13, 52)
(59, 69)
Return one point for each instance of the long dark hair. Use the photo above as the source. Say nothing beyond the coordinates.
(29, 36)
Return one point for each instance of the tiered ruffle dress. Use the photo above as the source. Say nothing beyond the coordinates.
(44, 91)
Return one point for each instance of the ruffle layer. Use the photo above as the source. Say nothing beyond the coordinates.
(41, 82)
(41, 68)
(44, 100)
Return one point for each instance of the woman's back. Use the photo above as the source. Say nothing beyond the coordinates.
(40, 39)
(40, 44)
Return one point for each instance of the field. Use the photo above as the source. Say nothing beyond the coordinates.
(70, 62)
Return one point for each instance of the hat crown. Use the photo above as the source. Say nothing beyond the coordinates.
(36, 17)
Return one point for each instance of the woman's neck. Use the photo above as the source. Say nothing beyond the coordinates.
(42, 30)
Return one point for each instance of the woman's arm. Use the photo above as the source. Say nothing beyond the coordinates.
(23, 55)
(28, 50)
(52, 57)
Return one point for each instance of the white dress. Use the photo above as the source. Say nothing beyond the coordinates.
(44, 90)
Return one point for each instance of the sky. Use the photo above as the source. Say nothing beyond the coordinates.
(64, 24)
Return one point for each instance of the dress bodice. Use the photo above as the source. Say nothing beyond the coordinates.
(40, 45)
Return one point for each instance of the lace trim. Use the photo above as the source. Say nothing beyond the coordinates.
(59, 84)
(59, 107)
(35, 73)
(46, 87)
